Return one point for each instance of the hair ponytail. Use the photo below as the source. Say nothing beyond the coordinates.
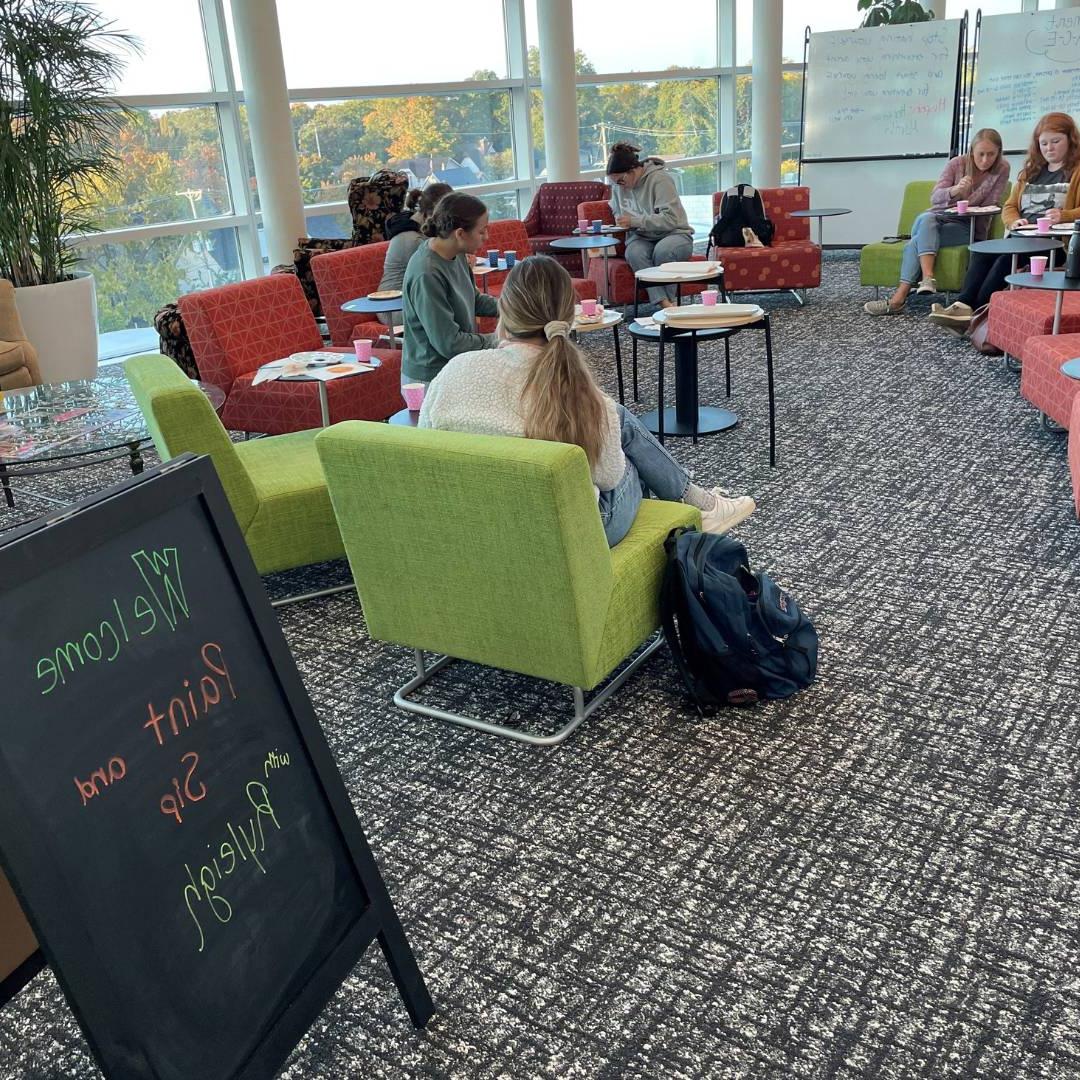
(560, 400)
(452, 212)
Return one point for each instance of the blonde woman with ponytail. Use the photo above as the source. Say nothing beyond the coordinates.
(536, 384)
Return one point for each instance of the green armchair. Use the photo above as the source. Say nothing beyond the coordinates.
(491, 550)
(275, 485)
(879, 264)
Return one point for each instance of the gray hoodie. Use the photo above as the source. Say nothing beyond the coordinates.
(653, 204)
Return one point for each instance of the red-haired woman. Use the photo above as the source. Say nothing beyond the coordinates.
(1048, 186)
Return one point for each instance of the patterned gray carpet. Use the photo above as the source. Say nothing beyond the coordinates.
(879, 878)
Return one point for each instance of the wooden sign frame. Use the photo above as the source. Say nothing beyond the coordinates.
(30, 551)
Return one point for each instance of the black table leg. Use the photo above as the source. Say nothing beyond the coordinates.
(618, 363)
(686, 418)
(633, 364)
(727, 364)
(660, 392)
(135, 454)
(9, 498)
(772, 399)
(686, 382)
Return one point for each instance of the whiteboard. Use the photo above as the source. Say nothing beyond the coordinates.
(1027, 65)
(871, 190)
(883, 90)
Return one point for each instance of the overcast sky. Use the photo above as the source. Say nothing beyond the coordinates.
(438, 42)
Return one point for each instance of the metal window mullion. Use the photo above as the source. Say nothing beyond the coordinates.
(223, 77)
(139, 233)
(517, 57)
(341, 93)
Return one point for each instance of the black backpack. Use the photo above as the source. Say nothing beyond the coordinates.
(741, 208)
(736, 636)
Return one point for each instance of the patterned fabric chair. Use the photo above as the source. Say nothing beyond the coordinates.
(345, 275)
(1018, 315)
(1041, 381)
(234, 329)
(554, 213)
(306, 249)
(792, 261)
(1074, 452)
(539, 593)
(169, 324)
(372, 199)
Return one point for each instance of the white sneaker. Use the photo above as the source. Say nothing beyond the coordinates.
(727, 513)
(955, 308)
(926, 286)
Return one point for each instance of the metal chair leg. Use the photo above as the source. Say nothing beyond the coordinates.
(1051, 425)
(772, 398)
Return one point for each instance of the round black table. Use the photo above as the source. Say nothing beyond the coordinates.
(405, 418)
(364, 305)
(1016, 246)
(830, 211)
(1054, 280)
(688, 417)
(591, 242)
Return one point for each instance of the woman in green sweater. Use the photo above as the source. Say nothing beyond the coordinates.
(441, 300)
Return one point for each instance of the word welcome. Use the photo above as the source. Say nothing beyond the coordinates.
(200, 895)
(161, 603)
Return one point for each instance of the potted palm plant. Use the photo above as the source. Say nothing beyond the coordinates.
(59, 62)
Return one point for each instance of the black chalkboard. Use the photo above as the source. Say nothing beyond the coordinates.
(171, 818)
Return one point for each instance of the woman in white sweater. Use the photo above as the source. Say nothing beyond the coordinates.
(537, 384)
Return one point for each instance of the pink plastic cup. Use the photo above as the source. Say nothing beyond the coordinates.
(588, 307)
(1043, 225)
(363, 350)
(709, 297)
(962, 206)
(1038, 265)
(413, 393)
(582, 224)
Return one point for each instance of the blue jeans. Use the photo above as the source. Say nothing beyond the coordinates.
(640, 253)
(928, 237)
(649, 467)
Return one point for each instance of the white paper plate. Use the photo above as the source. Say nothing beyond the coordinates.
(689, 267)
(718, 311)
(320, 358)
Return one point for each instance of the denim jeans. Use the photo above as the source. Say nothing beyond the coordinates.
(640, 253)
(928, 237)
(649, 468)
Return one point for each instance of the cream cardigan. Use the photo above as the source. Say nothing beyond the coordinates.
(480, 393)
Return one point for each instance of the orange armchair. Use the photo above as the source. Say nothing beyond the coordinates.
(18, 358)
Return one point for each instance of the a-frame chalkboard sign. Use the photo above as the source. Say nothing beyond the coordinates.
(171, 818)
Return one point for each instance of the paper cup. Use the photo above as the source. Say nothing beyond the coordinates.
(363, 350)
(709, 297)
(1038, 265)
(582, 224)
(598, 224)
(1043, 225)
(510, 257)
(493, 256)
(413, 393)
(962, 206)
(588, 308)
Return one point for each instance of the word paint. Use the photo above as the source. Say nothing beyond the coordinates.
(162, 602)
(201, 895)
(189, 705)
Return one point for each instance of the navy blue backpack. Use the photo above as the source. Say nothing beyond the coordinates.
(736, 636)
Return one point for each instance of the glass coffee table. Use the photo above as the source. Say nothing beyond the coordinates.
(53, 428)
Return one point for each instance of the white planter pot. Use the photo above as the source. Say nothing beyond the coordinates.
(61, 323)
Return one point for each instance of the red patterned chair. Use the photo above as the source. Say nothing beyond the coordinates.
(234, 329)
(791, 262)
(510, 235)
(1074, 452)
(1016, 315)
(341, 276)
(1041, 381)
(554, 213)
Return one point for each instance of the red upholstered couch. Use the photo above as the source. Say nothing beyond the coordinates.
(234, 329)
(791, 262)
(1041, 381)
(554, 213)
(1019, 314)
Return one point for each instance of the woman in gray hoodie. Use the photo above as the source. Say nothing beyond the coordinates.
(645, 202)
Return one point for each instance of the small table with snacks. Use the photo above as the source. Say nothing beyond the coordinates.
(590, 242)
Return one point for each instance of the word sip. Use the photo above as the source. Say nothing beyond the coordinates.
(88, 789)
(173, 804)
(190, 705)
